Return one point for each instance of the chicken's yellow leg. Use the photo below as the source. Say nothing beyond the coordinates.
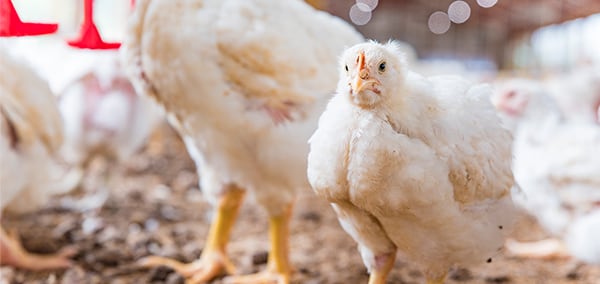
(278, 266)
(214, 260)
(13, 254)
(279, 235)
(379, 275)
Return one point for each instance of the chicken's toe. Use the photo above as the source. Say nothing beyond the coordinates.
(208, 267)
(12, 253)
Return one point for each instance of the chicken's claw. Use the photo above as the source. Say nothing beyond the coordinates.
(12, 253)
(209, 266)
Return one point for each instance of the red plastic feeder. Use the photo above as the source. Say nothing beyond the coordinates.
(89, 37)
(11, 24)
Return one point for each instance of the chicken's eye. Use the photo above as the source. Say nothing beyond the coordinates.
(346, 68)
(382, 67)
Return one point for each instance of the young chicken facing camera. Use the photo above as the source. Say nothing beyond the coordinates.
(412, 164)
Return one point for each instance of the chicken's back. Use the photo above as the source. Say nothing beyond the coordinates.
(457, 120)
(461, 128)
(233, 56)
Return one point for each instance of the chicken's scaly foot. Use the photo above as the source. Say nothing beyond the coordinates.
(544, 249)
(13, 254)
(278, 267)
(214, 261)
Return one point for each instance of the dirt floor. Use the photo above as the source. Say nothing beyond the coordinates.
(155, 207)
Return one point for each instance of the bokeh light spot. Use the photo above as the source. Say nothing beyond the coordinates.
(487, 3)
(358, 16)
(372, 4)
(459, 12)
(439, 22)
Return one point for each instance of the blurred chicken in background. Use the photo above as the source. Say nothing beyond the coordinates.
(31, 136)
(104, 116)
(556, 165)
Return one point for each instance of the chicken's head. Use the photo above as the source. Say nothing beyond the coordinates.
(511, 102)
(520, 97)
(371, 72)
(513, 96)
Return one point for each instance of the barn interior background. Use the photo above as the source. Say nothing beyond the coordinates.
(149, 202)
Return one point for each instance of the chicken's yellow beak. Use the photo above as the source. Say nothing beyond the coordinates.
(361, 80)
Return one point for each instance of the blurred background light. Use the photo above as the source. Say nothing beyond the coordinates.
(439, 22)
(487, 3)
(372, 4)
(459, 12)
(360, 14)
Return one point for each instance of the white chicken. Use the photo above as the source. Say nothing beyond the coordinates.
(555, 167)
(32, 132)
(103, 115)
(244, 83)
(419, 165)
